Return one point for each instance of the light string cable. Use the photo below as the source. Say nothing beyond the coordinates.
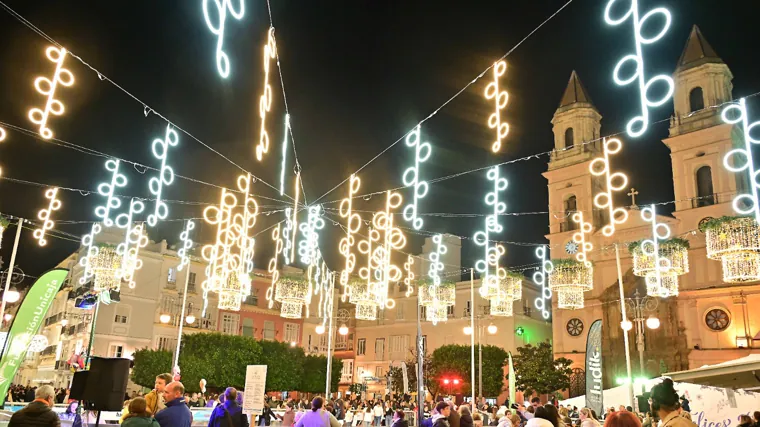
(473, 81)
(147, 109)
(367, 196)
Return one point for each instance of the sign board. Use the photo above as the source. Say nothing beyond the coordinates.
(594, 391)
(255, 386)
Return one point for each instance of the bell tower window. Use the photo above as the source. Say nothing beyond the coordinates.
(571, 206)
(569, 141)
(696, 99)
(705, 194)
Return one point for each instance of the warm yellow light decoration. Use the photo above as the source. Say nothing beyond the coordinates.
(366, 311)
(736, 243)
(490, 288)
(501, 302)
(500, 101)
(502, 307)
(294, 231)
(292, 290)
(272, 267)
(134, 240)
(291, 310)
(517, 287)
(432, 295)
(667, 288)
(613, 182)
(579, 237)
(52, 106)
(393, 238)
(570, 279)
(44, 215)
(105, 268)
(408, 280)
(741, 268)
(364, 292)
(3, 134)
(436, 313)
(570, 299)
(677, 256)
(265, 102)
(353, 223)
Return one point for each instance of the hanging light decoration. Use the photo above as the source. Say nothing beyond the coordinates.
(584, 246)
(744, 204)
(106, 269)
(366, 311)
(156, 185)
(408, 280)
(735, 241)
(613, 182)
(492, 254)
(222, 7)
(517, 284)
(44, 215)
(502, 301)
(48, 87)
(500, 99)
(539, 278)
(411, 176)
(393, 239)
(570, 279)
(134, 240)
(436, 313)
(675, 252)
(353, 224)
(265, 102)
(363, 292)
(293, 293)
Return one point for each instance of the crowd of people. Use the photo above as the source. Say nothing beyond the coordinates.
(20, 393)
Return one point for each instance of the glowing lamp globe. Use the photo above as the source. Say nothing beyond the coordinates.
(320, 329)
(8, 317)
(64, 322)
(653, 322)
(446, 381)
(456, 382)
(492, 329)
(190, 319)
(164, 318)
(468, 330)
(343, 330)
(292, 343)
(12, 296)
(627, 325)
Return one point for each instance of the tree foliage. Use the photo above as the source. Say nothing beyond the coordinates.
(454, 361)
(148, 364)
(538, 371)
(314, 373)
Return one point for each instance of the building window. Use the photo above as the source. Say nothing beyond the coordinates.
(449, 311)
(717, 319)
(378, 371)
(361, 346)
(468, 309)
(269, 331)
(230, 323)
(380, 349)
(527, 309)
(399, 343)
(424, 344)
(399, 311)
(696, 99)
(166, 343)
(247, 327)
(253, 298)
(191, 283)
(705, 195)
(115, 350)
(569, 139)
(291, 332)
(571, 206)
(172, 276)
(120, 319)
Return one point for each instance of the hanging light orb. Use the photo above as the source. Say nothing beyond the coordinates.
(343, 330)
(8, 317)
(12, 296)
(653, 322)
(627, 325)
(492, 329)
(467, 330)
(164, 318)
(39, 343)
(320, 329)
(190, 319)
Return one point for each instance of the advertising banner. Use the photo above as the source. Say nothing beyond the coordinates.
(594, 396)
(255, 386)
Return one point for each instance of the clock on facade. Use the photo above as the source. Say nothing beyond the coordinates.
(571, 247)
(574, 327)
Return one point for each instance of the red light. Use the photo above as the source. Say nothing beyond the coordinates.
(446, 381)
(456, 382)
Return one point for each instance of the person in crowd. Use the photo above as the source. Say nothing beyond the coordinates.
(745, 421)
(378, 412)
(530, 412)
(685, 403)
(368, 418)
(388, 414)
(288, 418)
(564, 416)
(554, 415)
(443, 411)
(316, 417)
(756, 416)
(72, 413)
(622, 419)
(541, 418)
(265, 418)
(516, 420)
(494, 418)
(666, 404)
(587, 418)
(176, 413)
(399, 419)
(477, 420)
(358, 415)
(647, 421)
(535, 402)
(228, 414)
(39, 412)
(155, 399)
(465, 417)
(138, 415)
(453, 416)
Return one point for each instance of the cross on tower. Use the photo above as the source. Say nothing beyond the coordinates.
(633, 193)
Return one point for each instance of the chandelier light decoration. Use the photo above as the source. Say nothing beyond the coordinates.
(293, 293)
(638, 125)
(47, 87)
(436, 313)
(675, 251)
(613, 182)
(409, 279)
(411, 176)
(44, 215)
(187, 245)
(106, 269)
(217, 29)
(490, 261)
(579, 237)
(284, 154)
(165, 175)
(500, 99)
(393, 239)
(353, 223)
(508, 291)
(134, 240)
(363, 293)
(651, 248)
(265, 102)
(744, 204)
(735, 241)
(570, 279)
(540, 278)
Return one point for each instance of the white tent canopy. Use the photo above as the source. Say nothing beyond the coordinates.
(740, 373)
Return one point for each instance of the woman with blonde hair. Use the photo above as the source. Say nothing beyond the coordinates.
(587, 418)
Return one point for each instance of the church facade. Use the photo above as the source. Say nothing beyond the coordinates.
(709, 321)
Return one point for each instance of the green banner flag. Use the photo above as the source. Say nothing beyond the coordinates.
(28, 319)
(512, 380)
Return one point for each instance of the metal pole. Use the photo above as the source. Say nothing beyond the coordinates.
(420, 381)
(92, 332)
(10, 268)
(472, 336)
(625, 333)
(329, 339)
(182, 318)
(480, 359)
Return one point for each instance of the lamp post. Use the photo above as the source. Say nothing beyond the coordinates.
(491, 329)
(640, 306)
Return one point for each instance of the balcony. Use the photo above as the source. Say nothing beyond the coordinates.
(48, 351)
(344, 346)
(712, 199)
(54, 319)
(62, 365)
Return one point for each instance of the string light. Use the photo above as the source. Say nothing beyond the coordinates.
(284, 154)
(244, 222)
(645, 265)
(482, 238)
(272, 267)
(539, 278)
(90, 253)
(353, 223)
(134, 240)
(265, 102)
(165, 175)
(601, 167)
(219, 254)
(436, 266)
(52, 105)
(500, 100)
(393, 238)
(222, 7)
(743, 159)
(736, 243)
(409, 279)
(363, 292)
(295, 219)
(108, 191)
(187, 244)
(286, 231)
(411, 176)
(580, 238)
(638, 125)
(651, 247)
(309, 245)
(44, 215)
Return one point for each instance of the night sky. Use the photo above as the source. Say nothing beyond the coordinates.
(358, 75)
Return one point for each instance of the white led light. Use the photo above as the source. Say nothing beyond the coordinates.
(409, 279)
(272, 267)
(44, 215)
(284, 154)
(165, 174)
(613, 182)
(393, 239)
(47, 87)
(500, 100)
(91, 251)
(222, 7)
(353, 223)
(265, 102)
(744, 160)
(187, 244)
(651, 247)
(108, 191)
(411, 176)
(539, 277)
(286, 230)
(638, 125)
(295, 220)
(436, 266)
(492, 254)
(309, 245)
(134, 240)
(579, 237)
(3, 134)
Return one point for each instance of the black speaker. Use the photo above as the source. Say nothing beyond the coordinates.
(78, 385)
(643, 401)
(107, 383)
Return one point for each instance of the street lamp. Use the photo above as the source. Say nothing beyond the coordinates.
(343, 330)
(468, 330)
(627, 325)
(492, 329)
(639, 306)
(12, 296)
(653, 322)
(320, 329)
(190, 319)
(8, 317)
(64, 322)
(164, 318)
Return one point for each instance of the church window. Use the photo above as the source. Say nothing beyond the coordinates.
(571, 205)
(569, 142)
(705, 195)
(696, 99)
(717, 319)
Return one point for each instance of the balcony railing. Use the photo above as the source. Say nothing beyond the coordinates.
(568, 226)
(49, 350)
(54, 319)
(712, 199)
(344, 346)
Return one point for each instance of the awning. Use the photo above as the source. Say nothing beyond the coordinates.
(740, 373)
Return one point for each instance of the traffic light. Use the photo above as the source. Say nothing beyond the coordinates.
(520, 331)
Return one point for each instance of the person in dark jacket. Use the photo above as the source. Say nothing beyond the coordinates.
(453, 416)
(138, 414)
(30, 394)
(229, 413)
(265, 418)
(176, 413)
(38, 413)
(465, 418)
(398, 419)
(443, 412)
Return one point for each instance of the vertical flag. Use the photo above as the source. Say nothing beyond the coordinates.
(512, 380)
(594, 389)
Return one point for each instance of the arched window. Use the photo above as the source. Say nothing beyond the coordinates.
(569, 142)
(696, 99)
(571, 205)
(705, 195)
